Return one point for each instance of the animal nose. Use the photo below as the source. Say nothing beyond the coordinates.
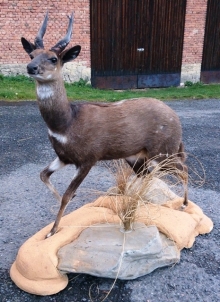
(32, 69)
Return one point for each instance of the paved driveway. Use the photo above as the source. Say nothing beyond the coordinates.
(26, 206)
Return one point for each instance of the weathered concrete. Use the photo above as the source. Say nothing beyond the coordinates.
(72, 72)
(190, 72)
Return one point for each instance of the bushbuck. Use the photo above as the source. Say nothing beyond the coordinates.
(84, 133)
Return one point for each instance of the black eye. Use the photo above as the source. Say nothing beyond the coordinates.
(31, 56)
(53, 60)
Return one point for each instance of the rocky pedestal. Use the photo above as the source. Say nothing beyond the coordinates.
(89, 240)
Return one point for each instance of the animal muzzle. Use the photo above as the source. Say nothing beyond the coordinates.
(32, 69)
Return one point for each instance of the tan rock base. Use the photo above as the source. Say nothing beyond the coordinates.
(35, 268)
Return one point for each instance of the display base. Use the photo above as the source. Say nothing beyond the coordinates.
(89, 240)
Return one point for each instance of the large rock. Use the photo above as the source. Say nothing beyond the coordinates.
(105, 251)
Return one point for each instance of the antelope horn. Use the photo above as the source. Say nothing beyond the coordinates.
(39, 38)
(62, 44)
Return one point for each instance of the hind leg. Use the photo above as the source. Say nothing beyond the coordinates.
(175, 166)
(184, 176)
(138, 162)
(143, 164)
(138, 166)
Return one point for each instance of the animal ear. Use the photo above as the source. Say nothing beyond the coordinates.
(70, 54)
(28, 46)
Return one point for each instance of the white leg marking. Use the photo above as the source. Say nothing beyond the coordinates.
(56, 165)
(132, 158)
(154, 163)
(59, 137)
(76, 173)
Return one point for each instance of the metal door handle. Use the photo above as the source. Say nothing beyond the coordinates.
(140, 49)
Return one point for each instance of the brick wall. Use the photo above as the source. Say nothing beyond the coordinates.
(193, 39)
(24, 17)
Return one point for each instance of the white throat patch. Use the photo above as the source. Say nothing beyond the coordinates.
(59, 137)
(44, 92)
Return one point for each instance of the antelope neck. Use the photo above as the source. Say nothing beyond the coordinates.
(54, 105)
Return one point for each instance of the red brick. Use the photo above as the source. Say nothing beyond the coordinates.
(23, 18)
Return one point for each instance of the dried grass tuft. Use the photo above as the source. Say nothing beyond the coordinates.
(132, 191)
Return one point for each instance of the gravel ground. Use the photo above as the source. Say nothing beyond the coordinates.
(26, 206)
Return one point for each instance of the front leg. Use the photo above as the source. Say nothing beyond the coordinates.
(69, 194)
(47, 172)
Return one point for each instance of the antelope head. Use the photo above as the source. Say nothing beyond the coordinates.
(45, 65)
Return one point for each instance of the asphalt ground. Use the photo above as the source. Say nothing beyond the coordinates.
(26, 206)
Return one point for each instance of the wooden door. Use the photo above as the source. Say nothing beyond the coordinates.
(210, 70)
(136, 43)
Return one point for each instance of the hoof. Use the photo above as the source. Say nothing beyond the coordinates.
(182, 208)
(50, 234)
